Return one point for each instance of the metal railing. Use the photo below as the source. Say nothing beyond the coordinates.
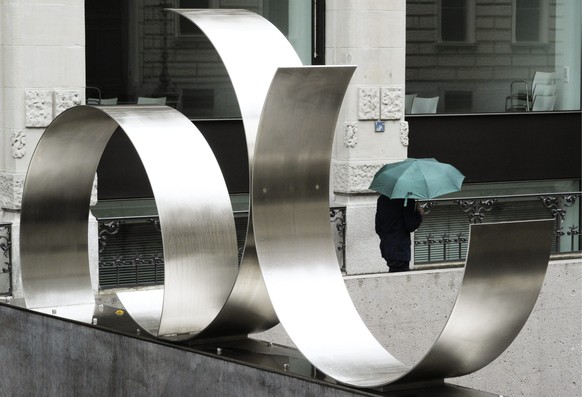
(5, 259)
(131, 249)
(444, 234)
(130, 252)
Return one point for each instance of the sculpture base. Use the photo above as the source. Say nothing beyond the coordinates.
(114, 356)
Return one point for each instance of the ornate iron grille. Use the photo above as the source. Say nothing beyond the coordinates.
(131, 250)
(5, 259)
(443, 235)
(130, 253)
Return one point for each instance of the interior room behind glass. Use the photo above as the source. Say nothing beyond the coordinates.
(481, 56)
(138, 52)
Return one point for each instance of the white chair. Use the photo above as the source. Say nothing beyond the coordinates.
(521, 97)
(543, 78)
(142, 100)
(544, 89)
(408, 99)
(424, 105)
(92, 95)
(543, 103)
(108, 101)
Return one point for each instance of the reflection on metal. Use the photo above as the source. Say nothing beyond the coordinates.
(195, 216)
(251, 49)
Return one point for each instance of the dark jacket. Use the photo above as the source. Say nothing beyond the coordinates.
(394, 223)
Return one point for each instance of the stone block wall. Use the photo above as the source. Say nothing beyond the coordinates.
(42, 48)
(43, 53)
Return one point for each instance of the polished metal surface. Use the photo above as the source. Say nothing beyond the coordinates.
(504, 273)
(251, 49)
(505, 267)
(299, 265)
(195, 213)
(55, 210)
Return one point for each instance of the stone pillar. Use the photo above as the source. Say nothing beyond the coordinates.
(372, 36)
(42, 73)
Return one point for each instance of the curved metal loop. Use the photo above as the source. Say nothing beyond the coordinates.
(293, 236)
(195, 213)
(251, 49)
(504, 274)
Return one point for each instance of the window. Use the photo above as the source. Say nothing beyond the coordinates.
(469, 53)
(530, 21)
(136, 48)
(456, 21)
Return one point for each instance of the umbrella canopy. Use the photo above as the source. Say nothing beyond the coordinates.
(417, 178)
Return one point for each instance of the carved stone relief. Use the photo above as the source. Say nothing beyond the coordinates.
(404, 133)
(350, 134)
(39, 108)
(368, 103)
(349, 177)
(392, 103)
(11, 187)
(65, 99)
(18, 144)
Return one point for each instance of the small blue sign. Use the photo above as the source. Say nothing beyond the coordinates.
(379, 127)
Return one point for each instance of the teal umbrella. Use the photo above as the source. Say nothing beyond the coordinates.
(417, 178)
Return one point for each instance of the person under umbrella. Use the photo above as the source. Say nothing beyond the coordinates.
(395, 220)
(397, 212)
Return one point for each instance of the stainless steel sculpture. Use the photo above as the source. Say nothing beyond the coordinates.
(251, 49)
(195, 215)
(289, 248)
(505, 267)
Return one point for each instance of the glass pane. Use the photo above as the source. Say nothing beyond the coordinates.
(493, 72)
(137, 51)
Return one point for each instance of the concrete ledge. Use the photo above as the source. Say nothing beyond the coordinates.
(42, 355)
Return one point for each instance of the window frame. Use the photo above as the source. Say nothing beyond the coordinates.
(543, 23)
